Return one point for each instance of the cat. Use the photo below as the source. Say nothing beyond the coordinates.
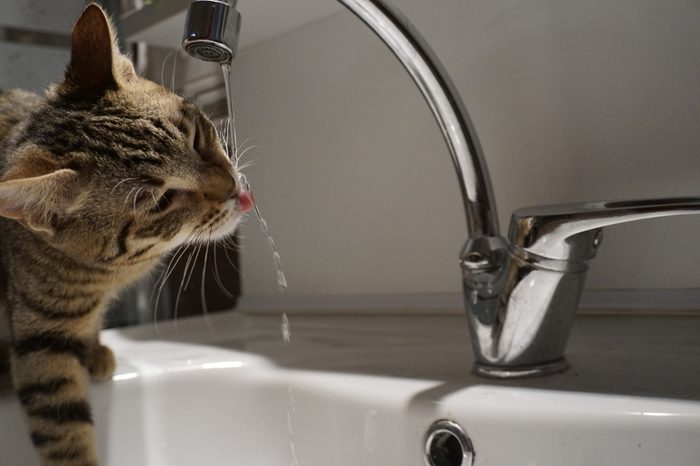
(99, 178)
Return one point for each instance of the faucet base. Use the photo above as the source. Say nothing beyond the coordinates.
(519, 372)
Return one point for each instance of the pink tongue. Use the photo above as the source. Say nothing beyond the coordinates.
(245, 201)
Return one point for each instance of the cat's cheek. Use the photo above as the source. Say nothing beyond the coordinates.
(184, 236)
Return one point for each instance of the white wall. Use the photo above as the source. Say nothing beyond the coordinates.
(573, 101)
(29, 66)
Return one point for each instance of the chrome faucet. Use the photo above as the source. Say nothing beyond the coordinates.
(520, 294)
(212, 29)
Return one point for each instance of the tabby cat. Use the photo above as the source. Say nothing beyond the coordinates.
(99, 177)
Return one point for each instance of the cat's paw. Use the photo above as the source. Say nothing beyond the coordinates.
(101, 362)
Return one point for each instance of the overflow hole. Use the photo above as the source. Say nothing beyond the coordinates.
(447, 445)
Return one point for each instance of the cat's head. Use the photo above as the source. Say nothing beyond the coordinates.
(112, 167)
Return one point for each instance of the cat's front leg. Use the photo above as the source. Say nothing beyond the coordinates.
(50, 374)
(101, 362)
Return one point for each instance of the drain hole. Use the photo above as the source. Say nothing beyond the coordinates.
(446, 444)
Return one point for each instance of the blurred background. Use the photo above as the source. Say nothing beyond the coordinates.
(573, 101)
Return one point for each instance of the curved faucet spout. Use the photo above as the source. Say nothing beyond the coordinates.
(447, 107)
(521, 295)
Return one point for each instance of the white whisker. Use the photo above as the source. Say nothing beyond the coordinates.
(244, 142)
(217, 277)
(162, 69)
(228, 258)
(136, 196)
(172, 81)
(247, 149)
(122, 181)
(126, 200)
(204, 276)
(172, 264)
(183, 284)
(248, 164)
(189, 277)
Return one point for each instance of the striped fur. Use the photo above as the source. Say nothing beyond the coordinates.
(99, 177)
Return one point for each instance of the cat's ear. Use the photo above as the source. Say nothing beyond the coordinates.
(37, 201)
(93, 52)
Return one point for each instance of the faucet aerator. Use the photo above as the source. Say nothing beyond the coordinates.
(212, 29)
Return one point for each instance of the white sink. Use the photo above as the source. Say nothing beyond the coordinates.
(240, 390)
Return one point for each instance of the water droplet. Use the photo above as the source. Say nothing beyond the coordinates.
(370, 435)
(263, 225)
(281, 281)
(290, 427)
(286, 332)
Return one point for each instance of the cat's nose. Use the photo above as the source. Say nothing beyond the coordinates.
(219, 186)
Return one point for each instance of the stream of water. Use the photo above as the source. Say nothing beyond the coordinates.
(232, 144)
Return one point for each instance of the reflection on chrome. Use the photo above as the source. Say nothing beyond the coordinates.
(523, 293)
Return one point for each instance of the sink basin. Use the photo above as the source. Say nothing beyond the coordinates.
(319, 390)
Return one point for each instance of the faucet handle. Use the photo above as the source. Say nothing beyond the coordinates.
(522, 295)
(573, 232)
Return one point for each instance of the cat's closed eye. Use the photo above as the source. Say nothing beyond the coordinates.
(167, 199)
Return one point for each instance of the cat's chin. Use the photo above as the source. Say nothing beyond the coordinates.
(235, 211)
(227, 227)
